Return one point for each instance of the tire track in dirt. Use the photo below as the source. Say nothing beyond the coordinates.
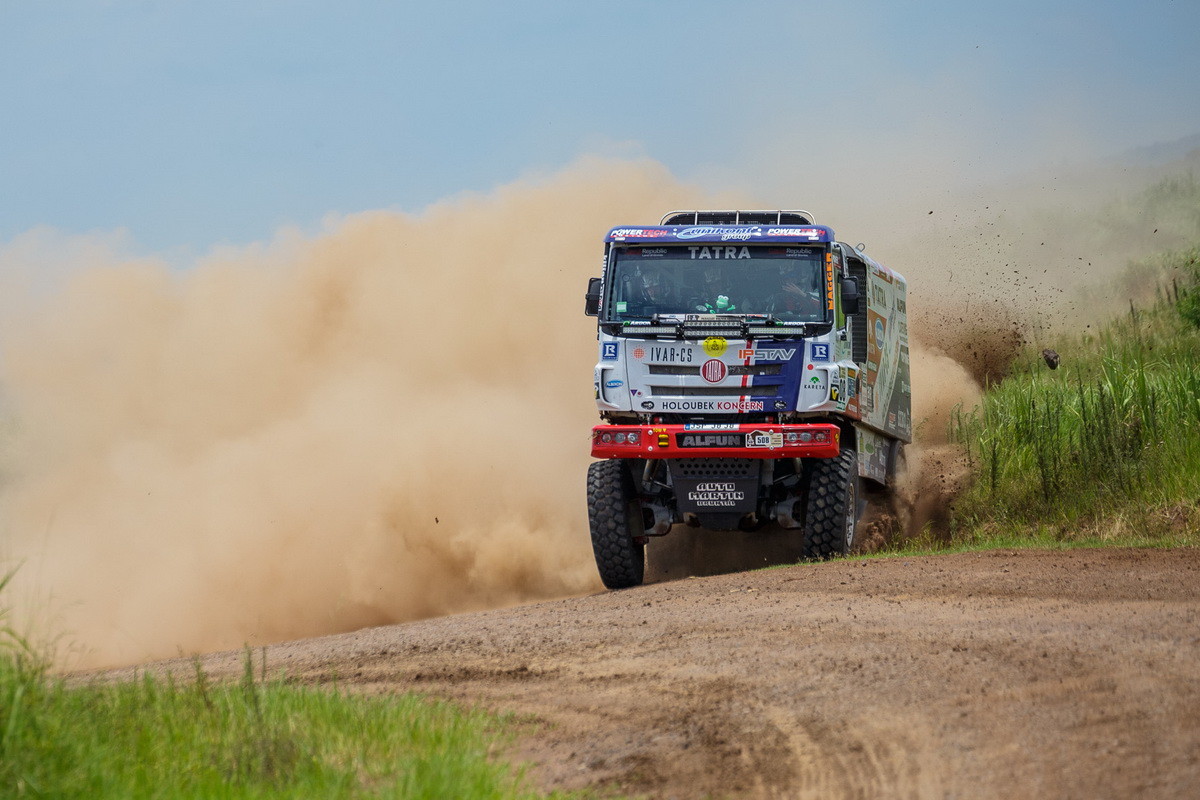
(1000, 674)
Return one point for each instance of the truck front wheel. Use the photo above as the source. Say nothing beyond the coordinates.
(615, 519)
(832, 512)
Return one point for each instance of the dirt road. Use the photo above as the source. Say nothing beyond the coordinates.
(1001, 674)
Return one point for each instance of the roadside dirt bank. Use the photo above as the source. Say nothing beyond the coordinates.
(999, 674)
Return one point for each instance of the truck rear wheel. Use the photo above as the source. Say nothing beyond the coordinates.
(833, 508)
(615, 519)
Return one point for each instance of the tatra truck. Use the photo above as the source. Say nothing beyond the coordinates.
(752, 370)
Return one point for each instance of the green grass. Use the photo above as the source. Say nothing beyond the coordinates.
(155, 737)
(1104, 449)
(1118, 533)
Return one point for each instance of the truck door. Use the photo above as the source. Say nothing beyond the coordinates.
(855, 268)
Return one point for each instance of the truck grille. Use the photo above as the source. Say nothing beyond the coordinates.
(713, 391)
(732, 390)
(734, 369)
(715, 467)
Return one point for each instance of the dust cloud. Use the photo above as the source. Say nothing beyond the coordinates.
(1028, 261)
(386, 421)
(389, 420)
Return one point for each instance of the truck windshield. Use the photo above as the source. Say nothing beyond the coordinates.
(783, 282)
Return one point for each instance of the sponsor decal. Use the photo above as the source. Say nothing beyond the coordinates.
(714, 370)
(646, 404)
(622, 306)
(820, 351)
(644, 233)
(710, 439)
(652, 252)
(715, 346)
(719, 252)
(769, 353)
(613, 384)
(879, 332)
(676, 355)
(711, 427)
(879, 297)
(765, 439)
(780, 405)
(812, 233)
(815, 387)
(608, 350)
(716, 494)
(710, 405)
(829, 286)
(635, 392)
(726, 234)
(639, 353)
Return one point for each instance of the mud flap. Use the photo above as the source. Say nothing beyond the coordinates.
(719, 492)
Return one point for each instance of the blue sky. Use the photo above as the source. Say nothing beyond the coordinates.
(191, 124)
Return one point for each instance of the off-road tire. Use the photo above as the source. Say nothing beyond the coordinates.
(833, 506)
(615, 519)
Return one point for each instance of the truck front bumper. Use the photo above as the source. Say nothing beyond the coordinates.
(807, 440)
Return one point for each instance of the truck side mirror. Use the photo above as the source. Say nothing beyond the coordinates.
(591, 300)
(849, 296)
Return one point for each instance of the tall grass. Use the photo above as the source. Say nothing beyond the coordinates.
(1114, 433)
(157, 737)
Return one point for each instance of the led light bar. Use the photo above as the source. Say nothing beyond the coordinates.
(732, 333)
(651, 329)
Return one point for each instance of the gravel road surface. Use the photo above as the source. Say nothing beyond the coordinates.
(998, 674)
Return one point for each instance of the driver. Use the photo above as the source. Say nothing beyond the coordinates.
(795, 301)
(655, 294)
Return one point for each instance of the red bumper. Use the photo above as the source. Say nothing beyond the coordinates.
(716, 441)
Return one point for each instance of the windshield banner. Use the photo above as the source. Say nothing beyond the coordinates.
(760, 234)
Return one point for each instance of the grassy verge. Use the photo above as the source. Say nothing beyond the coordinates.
(1104, 449)
(1013, 537)
(252, 739)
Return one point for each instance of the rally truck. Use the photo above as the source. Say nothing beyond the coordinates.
(752, 371)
